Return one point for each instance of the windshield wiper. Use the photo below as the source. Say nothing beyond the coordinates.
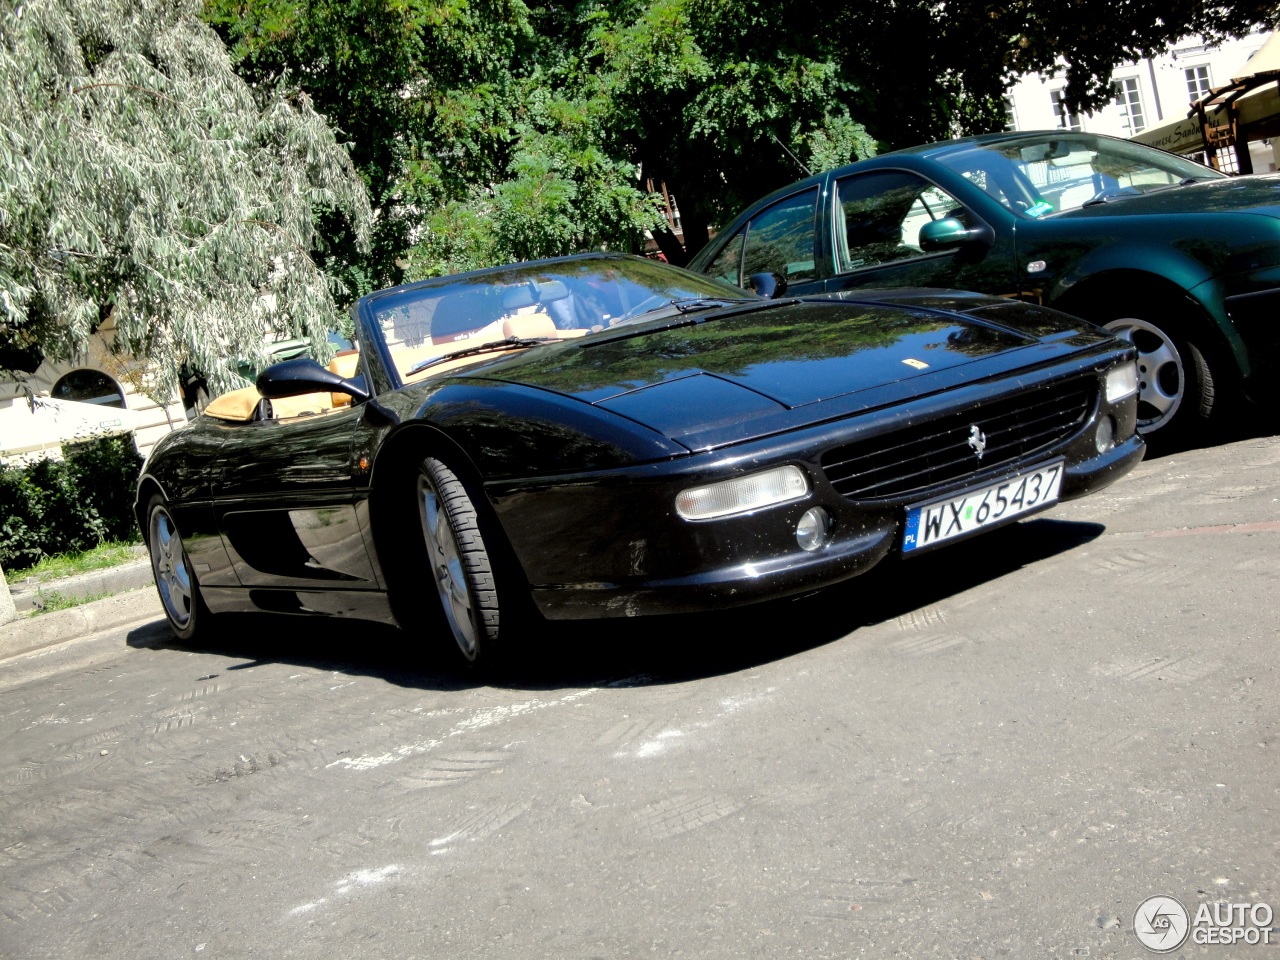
(491, 346)
(690, 304)
(1124, 193)
(1108, 196)
(685, 305)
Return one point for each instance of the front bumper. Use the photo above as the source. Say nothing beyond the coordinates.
(610, 543)
(862, 539)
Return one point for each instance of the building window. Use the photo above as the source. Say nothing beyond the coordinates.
(1010, 114)
(1066, 119)
(88, 386)
(1197, 82)
(1129, 100)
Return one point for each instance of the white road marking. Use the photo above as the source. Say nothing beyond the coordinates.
(488, 717)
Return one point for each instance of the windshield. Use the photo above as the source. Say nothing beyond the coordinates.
(511, 308)
(1054, 173)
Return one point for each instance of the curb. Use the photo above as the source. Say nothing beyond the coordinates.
(117, 579)
(34, 633)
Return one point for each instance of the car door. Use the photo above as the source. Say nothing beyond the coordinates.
(876, 218)
(291, 500)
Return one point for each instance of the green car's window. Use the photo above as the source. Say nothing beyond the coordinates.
(727, 264)
(879, 216)
(1038, 176)
(780, 239)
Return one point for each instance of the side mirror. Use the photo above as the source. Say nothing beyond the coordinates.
(949, 234)
(767, 285)
(292, 378)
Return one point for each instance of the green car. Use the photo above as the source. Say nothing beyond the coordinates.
(1171, 255)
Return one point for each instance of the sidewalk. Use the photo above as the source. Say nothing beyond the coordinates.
(126, 576)
(133, 599)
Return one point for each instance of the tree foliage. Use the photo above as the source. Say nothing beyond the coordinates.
(717, 101)
(726, 100)
(423, 90)
(145, 181)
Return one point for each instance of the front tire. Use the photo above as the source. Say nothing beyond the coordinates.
(459, 561)
(1177, 394)
(176, 582)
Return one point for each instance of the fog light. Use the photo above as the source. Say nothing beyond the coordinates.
(743, 494)
(1122, 382)
(813, 528)
(1105, 438)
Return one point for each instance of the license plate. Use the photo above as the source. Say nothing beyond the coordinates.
(960, 514)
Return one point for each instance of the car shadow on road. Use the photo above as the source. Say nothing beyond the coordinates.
(675, 649)
(645, 650)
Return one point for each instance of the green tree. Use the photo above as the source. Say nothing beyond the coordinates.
(716, 99)
(142, 180)
(473, 153)
(560, 192)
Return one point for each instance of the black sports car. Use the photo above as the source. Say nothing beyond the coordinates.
(605, 436)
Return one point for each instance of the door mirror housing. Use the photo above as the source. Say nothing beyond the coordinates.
(292, 378)
(950, 233)
(767, 285)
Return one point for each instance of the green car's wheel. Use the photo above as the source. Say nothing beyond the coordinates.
(1176, 392)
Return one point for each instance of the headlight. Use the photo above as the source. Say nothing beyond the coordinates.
(1122, 381)
(742, 495)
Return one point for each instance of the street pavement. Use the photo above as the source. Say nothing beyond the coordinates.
(997, 750)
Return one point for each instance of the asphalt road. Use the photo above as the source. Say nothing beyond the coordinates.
(998, 750)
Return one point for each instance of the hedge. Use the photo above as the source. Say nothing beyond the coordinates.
(69, 505)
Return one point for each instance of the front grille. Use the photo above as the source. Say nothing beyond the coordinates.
(938, 451)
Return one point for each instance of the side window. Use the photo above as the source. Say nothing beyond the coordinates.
(780, 239)
(879, 216)
(728, 262)
(931, 204)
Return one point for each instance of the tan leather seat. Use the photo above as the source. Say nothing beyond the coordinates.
(529, 326)
(346, 365)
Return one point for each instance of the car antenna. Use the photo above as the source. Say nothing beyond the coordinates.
(807, 171)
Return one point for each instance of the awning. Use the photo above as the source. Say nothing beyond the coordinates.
(31, 426)
(1247, 108)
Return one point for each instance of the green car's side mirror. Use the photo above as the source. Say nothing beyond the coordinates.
(949, 234)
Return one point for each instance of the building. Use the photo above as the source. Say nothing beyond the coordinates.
(1151, 98)
(98, 378)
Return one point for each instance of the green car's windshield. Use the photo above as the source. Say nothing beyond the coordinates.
(478, 314)
(1045, 174)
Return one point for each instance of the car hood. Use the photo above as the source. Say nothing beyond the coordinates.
(712, 378)
(1255, 194)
